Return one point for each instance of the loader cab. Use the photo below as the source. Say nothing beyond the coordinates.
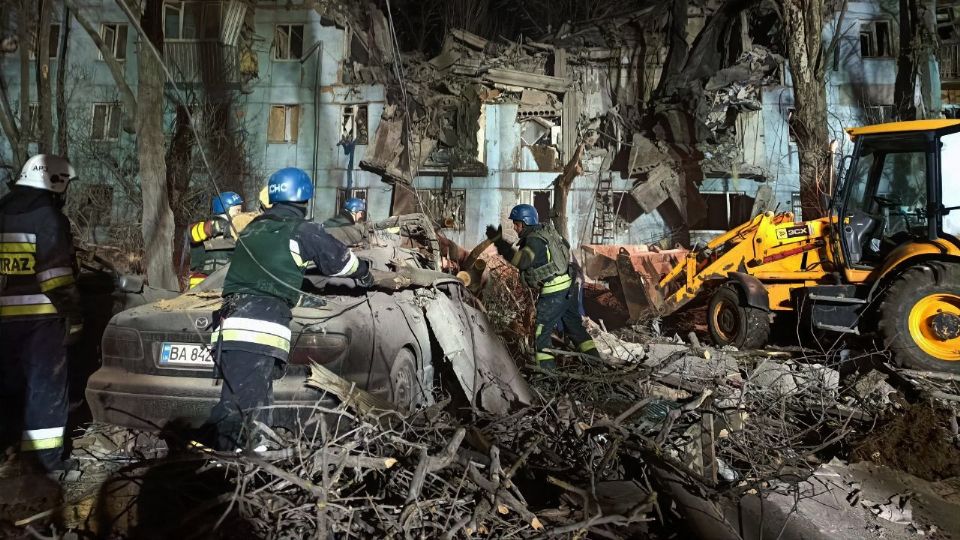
(899, 178)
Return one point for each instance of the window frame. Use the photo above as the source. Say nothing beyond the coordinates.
(345, 112)
(287, 107)
(113, 45)
(868, 29)
(275, 56)
(112, 107)
(179, 7)
(729, 209)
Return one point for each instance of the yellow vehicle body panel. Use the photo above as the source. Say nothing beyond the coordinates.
(902, 127)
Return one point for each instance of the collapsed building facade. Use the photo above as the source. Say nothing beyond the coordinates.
(642, 158)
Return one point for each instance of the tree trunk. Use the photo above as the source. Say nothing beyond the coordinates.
(23, 35)
(561, 191)
(915, 47)
(42, 53)
(804, 23)
(62, 144)
(116, 70)
(158, 226)
(8, 123)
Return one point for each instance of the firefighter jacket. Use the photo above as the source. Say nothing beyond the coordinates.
(543, 258)
(265, 275)
(38, 266)
(211, 245)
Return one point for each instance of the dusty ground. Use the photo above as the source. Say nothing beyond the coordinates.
(915, 441)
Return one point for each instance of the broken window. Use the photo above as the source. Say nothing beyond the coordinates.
(343, 194)
(542, 200)
(288, 42)
(191, 20)
(540, 143)
(283, 125)
(115, 38)
(725, 210)
(626, 208)
(106, 122)
(875, 39)
(353, 124)
(444, 207)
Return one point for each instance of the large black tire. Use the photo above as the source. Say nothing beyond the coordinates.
(405, 389)
(904, 317)
(732, 322)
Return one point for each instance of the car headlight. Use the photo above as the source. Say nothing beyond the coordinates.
(119, 342)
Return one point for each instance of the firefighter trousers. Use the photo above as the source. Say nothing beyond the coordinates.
(562, 306)
(33, 389)
(247, 386)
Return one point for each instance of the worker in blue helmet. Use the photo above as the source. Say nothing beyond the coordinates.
(352, 212)
(261, 287)
(211, 240)
(543, 258)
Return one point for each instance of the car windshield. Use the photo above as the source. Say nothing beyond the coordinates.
(887, 191)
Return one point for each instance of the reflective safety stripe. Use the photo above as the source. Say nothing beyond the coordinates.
(352, 264)
(17, 247)
(197, 232)
(253, 331)
(559, 283)
(26, 304)
(256, 325)
(542, 357)
(587, 345)
(18, 237)
(295, 251)
(54, 272)
(55, 277)
(41, 439)
(251, 336)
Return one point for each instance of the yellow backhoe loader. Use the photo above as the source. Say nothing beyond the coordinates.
(886, 259)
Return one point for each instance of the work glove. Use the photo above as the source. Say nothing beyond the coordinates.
(494, 234)
(74, 330)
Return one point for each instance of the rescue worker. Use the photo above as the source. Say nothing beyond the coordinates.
(39, 310)
(543, 258)
(211, 241)
(351, 213)
(261, 287)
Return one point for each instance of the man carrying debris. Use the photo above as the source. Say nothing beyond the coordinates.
(352, 213)
(213, 240)
(39, 310)
(543, 258)
(261, 287)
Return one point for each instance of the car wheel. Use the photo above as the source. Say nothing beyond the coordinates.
(405, 389)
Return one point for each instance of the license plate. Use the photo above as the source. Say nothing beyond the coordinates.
(185, 354)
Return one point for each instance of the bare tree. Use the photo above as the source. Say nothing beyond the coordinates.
(116, 70)
(807, 55)
(62, 136)
(916, 46)
(158, 222)
(42, 54)
(23, 35)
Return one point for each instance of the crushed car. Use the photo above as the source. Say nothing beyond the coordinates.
(158, 369)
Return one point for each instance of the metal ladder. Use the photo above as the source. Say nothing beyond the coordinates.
(603, 216)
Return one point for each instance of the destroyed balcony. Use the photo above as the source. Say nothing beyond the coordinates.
(202, 62)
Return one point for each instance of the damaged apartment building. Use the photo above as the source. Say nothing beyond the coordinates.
(467, 133)
(495, 123)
